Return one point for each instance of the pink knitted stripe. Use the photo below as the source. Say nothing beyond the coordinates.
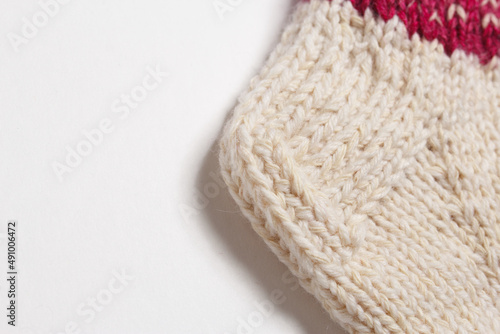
(470, 25)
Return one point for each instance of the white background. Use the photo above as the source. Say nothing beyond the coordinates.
(142, 201)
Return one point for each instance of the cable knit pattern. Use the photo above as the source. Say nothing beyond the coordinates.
(369, 162)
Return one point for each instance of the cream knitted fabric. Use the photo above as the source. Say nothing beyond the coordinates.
(369, 162)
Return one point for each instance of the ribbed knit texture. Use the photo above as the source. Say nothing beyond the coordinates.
(368, 159)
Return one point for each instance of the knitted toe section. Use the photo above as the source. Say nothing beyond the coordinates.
(369, 163)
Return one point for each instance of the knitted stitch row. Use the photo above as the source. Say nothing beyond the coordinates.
(470, 25)
(368, 159)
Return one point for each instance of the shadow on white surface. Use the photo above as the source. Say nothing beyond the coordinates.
(245, 247)
(243, 243)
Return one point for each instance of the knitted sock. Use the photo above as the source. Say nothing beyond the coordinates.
(367, 155)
